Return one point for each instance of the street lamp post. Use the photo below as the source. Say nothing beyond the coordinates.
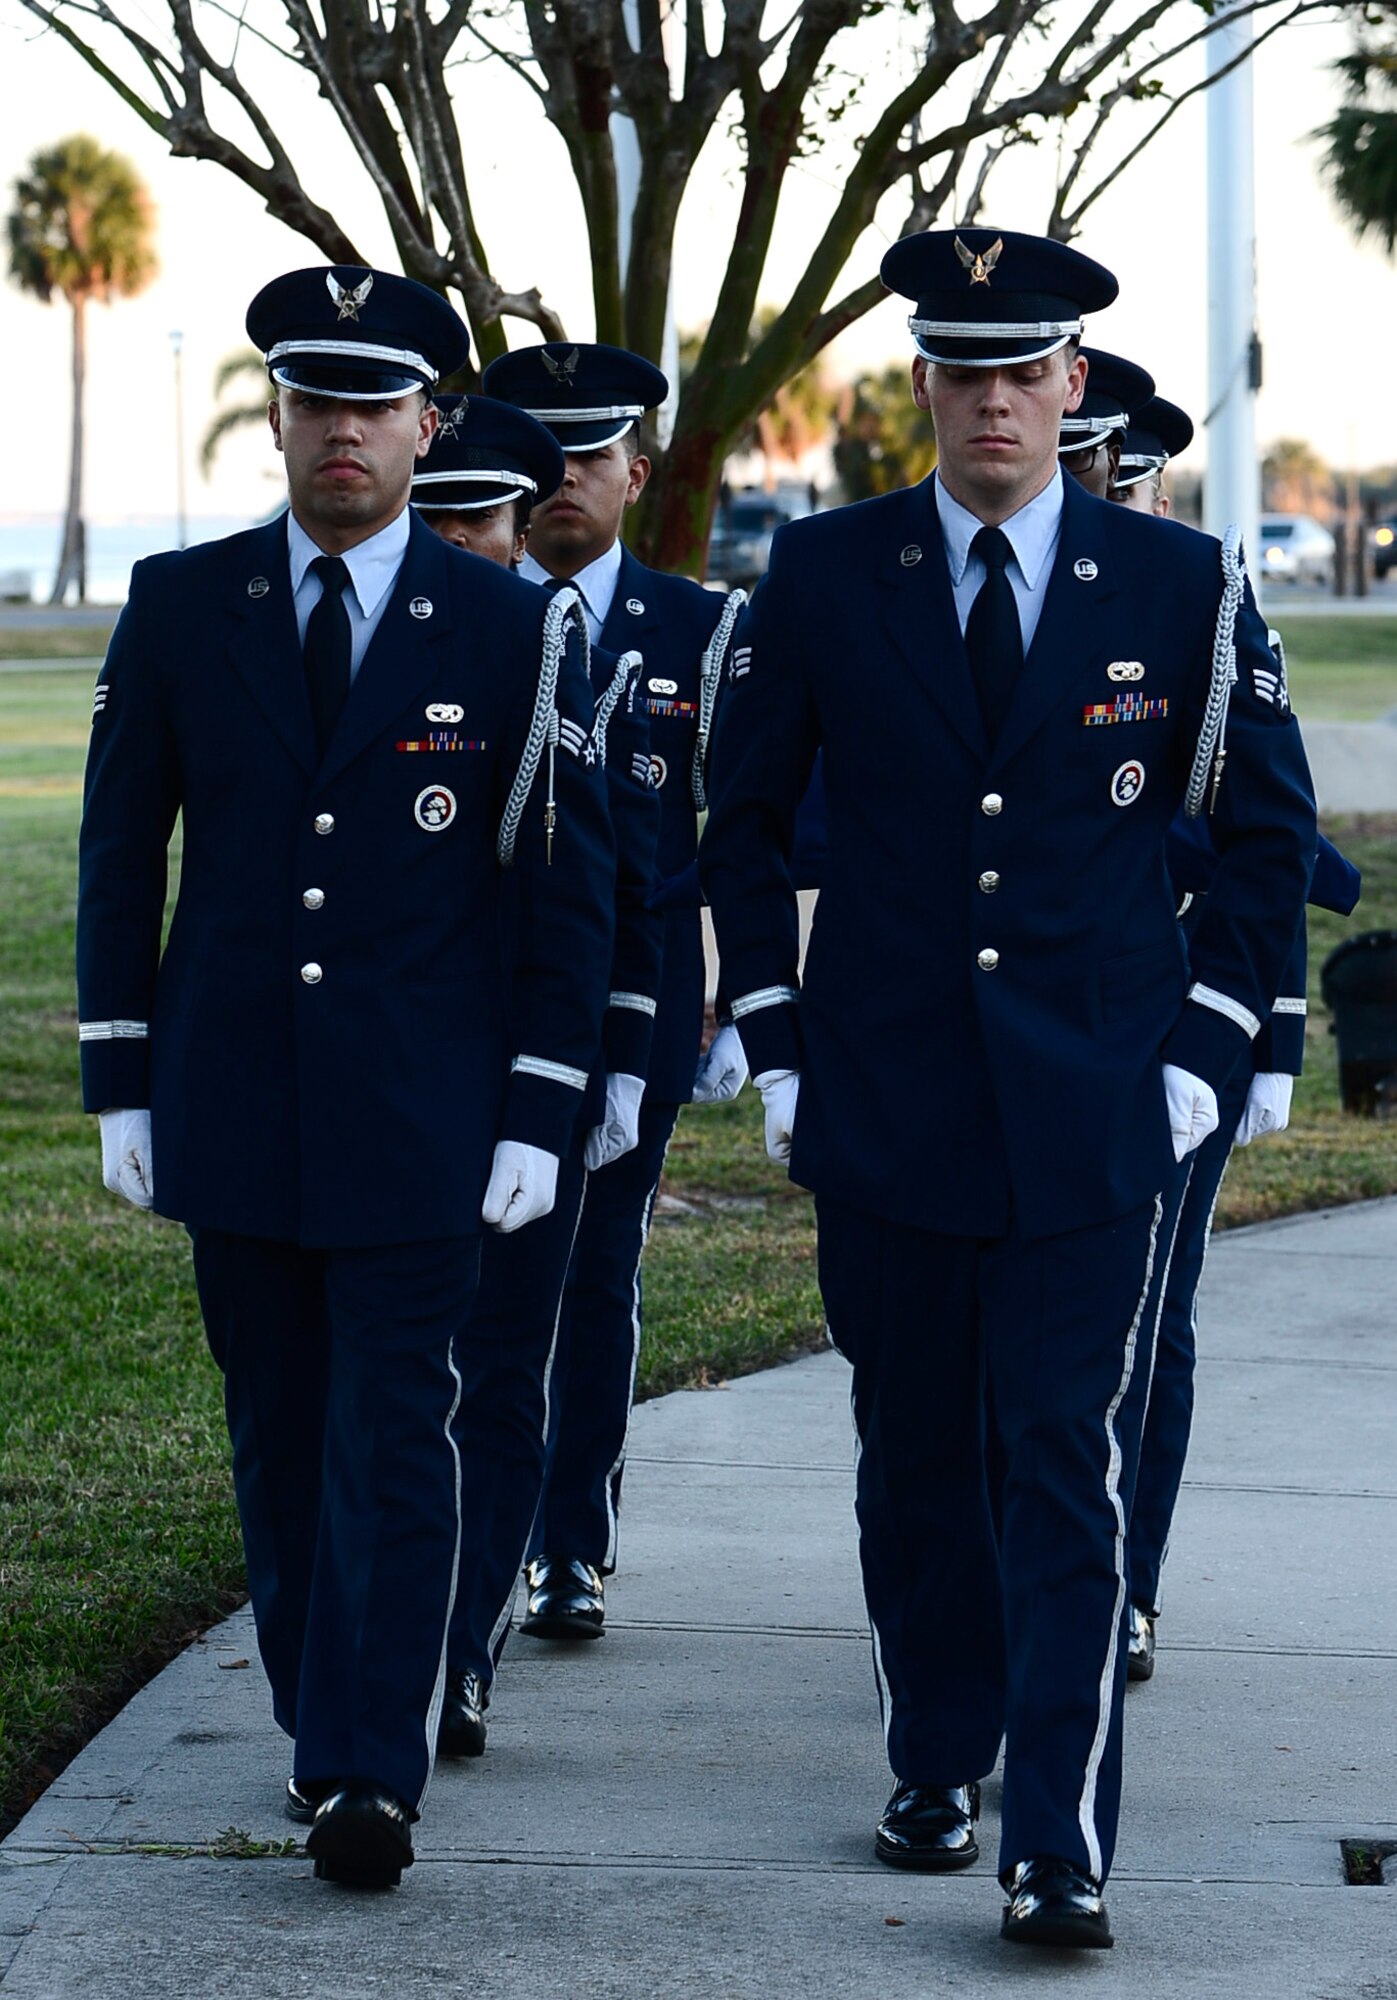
(1231, 490)
(181, 521)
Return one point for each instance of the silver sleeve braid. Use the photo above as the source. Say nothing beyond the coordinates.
(609, 699)
(710, 674)
(1212, 747)
(564, 608)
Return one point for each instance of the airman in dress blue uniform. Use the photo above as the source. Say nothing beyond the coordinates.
(332, 1074)
(593, 397)
(489, 464)
(997, 1054)
(1091, 439)
(1255, 1102)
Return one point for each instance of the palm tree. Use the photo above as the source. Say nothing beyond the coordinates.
(81, 225)
(243, 363)
(1295, 479)
(1360, 156)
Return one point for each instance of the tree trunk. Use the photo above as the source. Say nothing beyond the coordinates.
(72, 561)
(674, 529)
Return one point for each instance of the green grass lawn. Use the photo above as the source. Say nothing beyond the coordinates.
(1340, 669)
(117, 1529)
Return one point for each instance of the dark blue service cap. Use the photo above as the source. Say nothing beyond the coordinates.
(986, 298)
(361, 336)
(483, 453)
(1115, 390)
(1158, 432)
(587, 395)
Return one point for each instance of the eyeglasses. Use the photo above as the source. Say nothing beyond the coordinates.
(1081, 460)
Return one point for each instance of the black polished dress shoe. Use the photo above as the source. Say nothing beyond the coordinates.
(565, 1599)
(1139, 1658)
(303, 1800)
(930, 1827)
(461, 1731)
(1052, 1901)
(361, 1836)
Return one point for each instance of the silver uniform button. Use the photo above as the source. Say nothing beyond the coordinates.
(987, 959)
(324, 822)
(313, 975)
(989, 881)
(991, 804)
(314, 899)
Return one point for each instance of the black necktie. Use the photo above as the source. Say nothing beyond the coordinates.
(993, 635)
(328, 649)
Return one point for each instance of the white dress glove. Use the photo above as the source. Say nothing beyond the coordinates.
(723, 1070)
(619, 1130)
(1267, 1108)
(126, 1163)
(1193, 1108)
(779, 1088)
(523, 1183)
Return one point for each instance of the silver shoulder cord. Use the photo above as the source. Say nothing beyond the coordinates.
(563, 608)
(1211, 752)
(609, 699)
(710, 674)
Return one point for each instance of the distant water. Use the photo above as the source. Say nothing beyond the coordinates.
(31, 543)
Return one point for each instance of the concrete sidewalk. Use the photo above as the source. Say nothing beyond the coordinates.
(686, 1808)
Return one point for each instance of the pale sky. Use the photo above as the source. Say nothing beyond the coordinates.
(1326, 307)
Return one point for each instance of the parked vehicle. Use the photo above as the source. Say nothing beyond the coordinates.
(739, 547)
(1295, 549)
(1385, 546)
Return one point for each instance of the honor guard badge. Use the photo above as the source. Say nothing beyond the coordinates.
(1084, 569)
(445, 711)
(421, 607)
(659, 771)
(434, 809)
(1128, 783)
(1125, 670)
(258, 586)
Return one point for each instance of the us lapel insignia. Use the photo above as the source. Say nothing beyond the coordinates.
(635, 606)
(421, 607)
(910, 556)
(1084, 569)
(1125, 670)
(257, 586)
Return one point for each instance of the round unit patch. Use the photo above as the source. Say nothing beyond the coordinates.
(659, 771)
(1128, 783)
(434, 809)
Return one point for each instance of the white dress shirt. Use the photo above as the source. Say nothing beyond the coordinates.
(373, 570)
(1033, 536)
(596, 585)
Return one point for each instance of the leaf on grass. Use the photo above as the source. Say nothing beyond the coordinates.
(227, 1666)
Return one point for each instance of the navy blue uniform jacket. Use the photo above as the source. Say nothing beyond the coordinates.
(995, 970)
(670, 621)
(363, 1107)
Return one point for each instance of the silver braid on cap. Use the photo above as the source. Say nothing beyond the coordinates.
(622, 681)
(563, 609)
(1211, 752)
(710, 674)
